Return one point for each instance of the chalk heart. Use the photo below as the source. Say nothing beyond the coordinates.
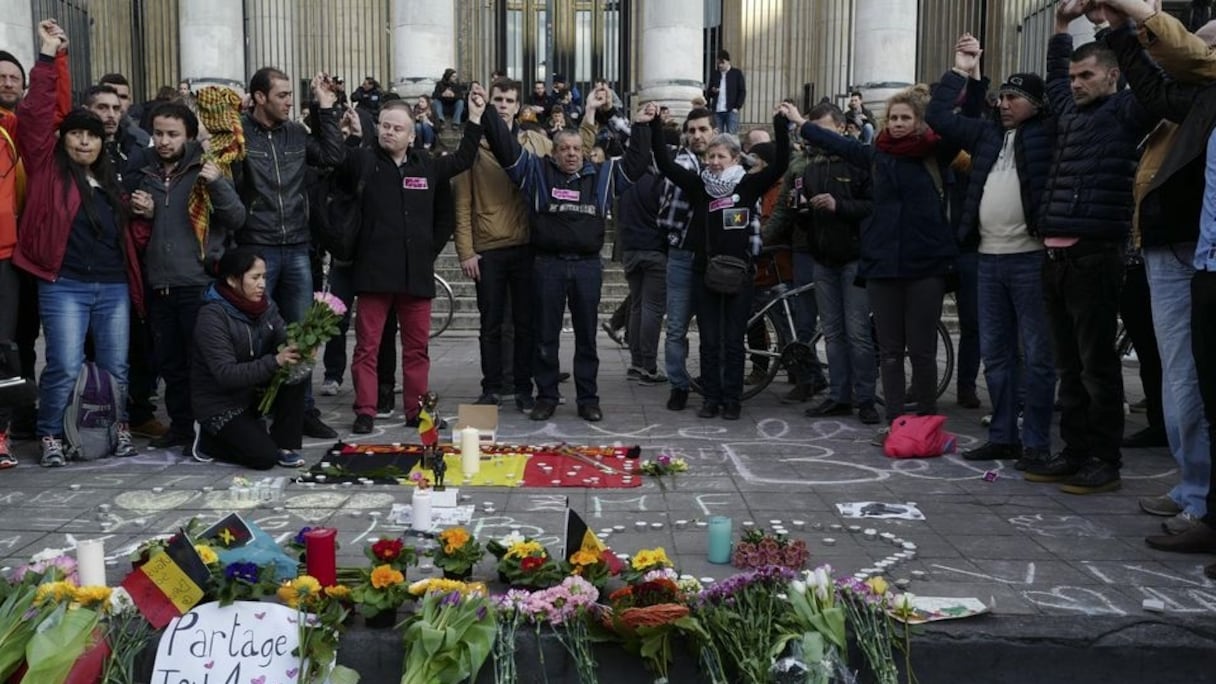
(209, 664)
(293, 672)
(144, 501)
(261, 679)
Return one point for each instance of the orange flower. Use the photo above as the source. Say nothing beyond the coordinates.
(454, 539)
(385, 576)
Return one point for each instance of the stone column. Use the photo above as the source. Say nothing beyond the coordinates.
(424, 44)
(671, 54)
(884, 48)
(212, 50)
(272, 41)
(17, 32)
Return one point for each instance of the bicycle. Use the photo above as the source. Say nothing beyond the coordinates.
(443, 307)
(773, 325)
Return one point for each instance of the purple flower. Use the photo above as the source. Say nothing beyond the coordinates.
(299, 538)
(242, 572)
(481, 613)
(664, 460)
(452, 599)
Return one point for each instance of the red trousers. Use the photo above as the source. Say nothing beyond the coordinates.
(414, 319)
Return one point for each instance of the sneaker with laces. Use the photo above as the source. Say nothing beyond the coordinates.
(1054, 468)
(1179, 523)
(1163, 505)
(524, 402)
(52, 453)
(634, 374)
(6, 456)
(363, 424)
(290, 459)
(1094, 477)
(489, 399)
(124, 448)
(1032, 456)
(330, 388)
(315, 427)
(650, 378)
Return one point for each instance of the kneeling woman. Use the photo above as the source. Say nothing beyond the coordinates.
(236, 340)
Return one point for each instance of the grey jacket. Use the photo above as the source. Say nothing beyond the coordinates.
(233, 356)
(174, 257)
(271, 179)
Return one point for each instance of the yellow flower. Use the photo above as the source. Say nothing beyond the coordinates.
(54, 591)
(207, 554)
(384, 576)
(650, 558)
(878, 585)
(438, 585)
(453, 539)
(93, 596)
(584, 557)
(338, 592)
(303, 589)
(524, 549)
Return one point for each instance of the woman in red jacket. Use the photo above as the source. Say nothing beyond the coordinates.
(73, 238)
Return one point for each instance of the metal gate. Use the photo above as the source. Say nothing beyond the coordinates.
(73, 16)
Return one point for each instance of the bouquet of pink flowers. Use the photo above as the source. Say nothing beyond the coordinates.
(320, 323)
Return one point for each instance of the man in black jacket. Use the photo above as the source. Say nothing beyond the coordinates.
(179, 263)
(569, 199)
(725, 94)
(271, 183)
(1010, 162)
(823, 202)
(1087, 212)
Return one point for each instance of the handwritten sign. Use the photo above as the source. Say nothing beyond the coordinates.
(241, 643)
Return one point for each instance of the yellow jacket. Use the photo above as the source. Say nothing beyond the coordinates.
(1182, 54)
(490, 209)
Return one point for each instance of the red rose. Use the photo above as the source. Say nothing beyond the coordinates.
(531, 563)
(387, 549)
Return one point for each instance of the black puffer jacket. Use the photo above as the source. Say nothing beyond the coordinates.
(271, 179)
(983, 140)
(233, 355)
(1089, 188)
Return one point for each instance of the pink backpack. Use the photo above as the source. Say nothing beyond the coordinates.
(918, 437)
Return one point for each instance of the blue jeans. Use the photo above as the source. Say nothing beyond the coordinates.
(425, 134)
(968, 321)
(70, 309)
(727, 122)
(806, 313)
(457, 111)
(680, 304)
(559, 282)
(844, 315)
(1169, 271)
(1011, 308)
(289, 283)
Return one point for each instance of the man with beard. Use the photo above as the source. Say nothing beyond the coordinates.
(179, 251)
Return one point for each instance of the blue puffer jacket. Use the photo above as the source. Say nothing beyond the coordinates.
(908, 234)
(1089, 189)
(983, 140)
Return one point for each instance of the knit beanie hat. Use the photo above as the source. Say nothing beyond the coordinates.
(6, 56)
(82, 119)
(1029, 86)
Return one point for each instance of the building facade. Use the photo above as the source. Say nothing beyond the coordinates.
(648, 49)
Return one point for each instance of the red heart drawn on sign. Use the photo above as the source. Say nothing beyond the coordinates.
(258, 680)
(209, 664)
(259, 615)
(291, 674)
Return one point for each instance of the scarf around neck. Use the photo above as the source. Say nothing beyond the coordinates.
(722, 184)
(253, 310)
(914, 145)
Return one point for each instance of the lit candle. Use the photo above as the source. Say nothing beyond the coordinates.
(719, 539)
(91, 562)
(320, 549)
(422, 510)
(470, 451)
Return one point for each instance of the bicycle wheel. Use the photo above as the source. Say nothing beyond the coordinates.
(766, 338)
(443, 307)
(945, 359)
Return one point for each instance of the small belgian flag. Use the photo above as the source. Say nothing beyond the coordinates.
(170, 583)
(579, 537)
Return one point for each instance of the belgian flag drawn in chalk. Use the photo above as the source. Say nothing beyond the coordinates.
(170, 583)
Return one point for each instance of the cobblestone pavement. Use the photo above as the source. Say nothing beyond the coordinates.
(1026, 549)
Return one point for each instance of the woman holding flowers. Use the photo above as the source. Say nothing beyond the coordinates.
(238, 337)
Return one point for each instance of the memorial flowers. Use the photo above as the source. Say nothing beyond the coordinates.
(319, 324)
(391, 552)
(820, 619)
(127, 633)
(458, 552)
(643, 562)
(866, 610)
(450, 636)
(525, 562)
(759, 548)
(664, 465)
(381, 591)
(743, 623)
(645, 615)
(241, 581)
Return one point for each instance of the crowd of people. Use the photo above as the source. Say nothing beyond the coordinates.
(1079, 196)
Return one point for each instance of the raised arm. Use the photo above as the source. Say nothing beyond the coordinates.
(325, 148)
(1059, 53)
(771, 173)
(1160, 95)
(449, 165)
(963, 131)
(853, 151)
(36, 113)
(686, 180)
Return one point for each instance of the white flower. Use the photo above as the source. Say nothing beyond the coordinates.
(120, 601)
(660, 574)
(798, 586)
(904, 603)
(513, 538)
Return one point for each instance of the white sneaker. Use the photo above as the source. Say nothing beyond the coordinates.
(124, 448)
(330, 388)
(52, 453)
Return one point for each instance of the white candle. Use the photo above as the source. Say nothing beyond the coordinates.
(422, 510)
(91, 562)
(470, 451)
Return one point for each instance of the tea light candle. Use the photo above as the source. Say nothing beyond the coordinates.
(903, 583)
(618, 528)
(887, 536)
(325, 464)
(681, 524)
(702, 523)
(835, 527)
(909, 546)
(73, 487)
(656, 526)
(748, 524)
(91, 562)
(719, 539)
(775, 523)
(854, 528)
(919, 574)
(706, 581)
(871, 533)
(828, 541)
(157, 490)
(798, 524)
(640, 525)
(320, 549)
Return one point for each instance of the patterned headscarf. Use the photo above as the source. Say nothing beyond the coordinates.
(219, 109)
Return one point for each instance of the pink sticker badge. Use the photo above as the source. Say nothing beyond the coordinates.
(414, 183)
(565, 195)
(722, 203)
